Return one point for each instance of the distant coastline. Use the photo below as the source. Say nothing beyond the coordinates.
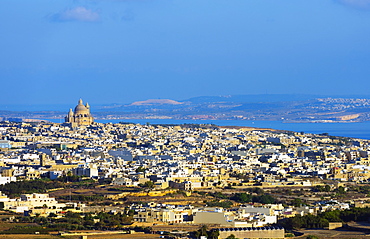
(359, 130)
(322, 121)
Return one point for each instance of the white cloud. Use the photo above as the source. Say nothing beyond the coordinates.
(81, 14)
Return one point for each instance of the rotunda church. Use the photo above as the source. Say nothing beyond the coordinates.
(81, 115)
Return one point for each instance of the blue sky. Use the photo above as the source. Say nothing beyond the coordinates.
(120, 51)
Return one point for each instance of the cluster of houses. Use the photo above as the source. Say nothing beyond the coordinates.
(186, 157)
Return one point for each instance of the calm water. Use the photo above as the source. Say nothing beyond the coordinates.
(355, 130)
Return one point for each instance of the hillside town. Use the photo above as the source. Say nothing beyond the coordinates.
(238, 180)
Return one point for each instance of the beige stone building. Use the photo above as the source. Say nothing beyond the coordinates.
(81, 115)
(160, 215)
(28, 202)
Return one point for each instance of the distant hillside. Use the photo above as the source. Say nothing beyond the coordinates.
(269, 107)
(264, 98)
(290, 108)
(157, 102)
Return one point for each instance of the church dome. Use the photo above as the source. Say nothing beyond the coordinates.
(80, 109)
(81, 116)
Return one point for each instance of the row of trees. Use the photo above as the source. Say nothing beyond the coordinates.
(247, 197)
(307, 221)
(32, 186)
(83, 198)
(327, 188)
(203, 231)
(323, 219)
(77, 221)
(217, 203)
(43, 185)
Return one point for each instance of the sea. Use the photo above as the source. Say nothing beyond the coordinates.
(359, 130)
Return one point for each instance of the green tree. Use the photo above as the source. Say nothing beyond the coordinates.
(203, 230)
(232, 236)
(297, 202)
(213, 234)
(332, 216)
(148, 184)
(140, 169)
(216, 203)
(265, 199)
(312, 237)
(242, 197)
(341, 190)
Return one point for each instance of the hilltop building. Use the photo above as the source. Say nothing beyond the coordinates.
(81, 115)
